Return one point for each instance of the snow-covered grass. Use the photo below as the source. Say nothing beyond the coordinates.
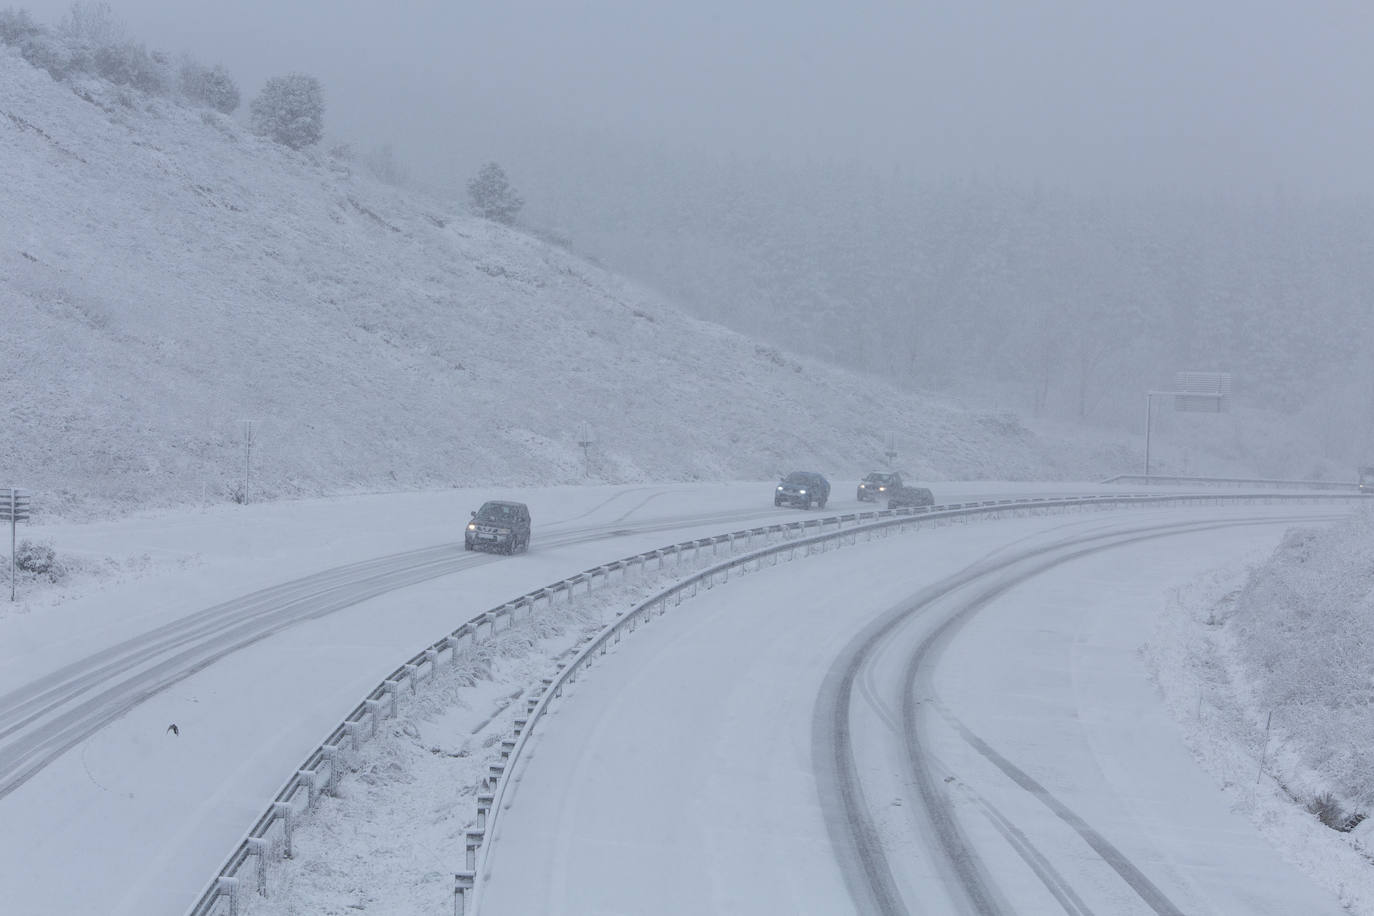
(1266, 664)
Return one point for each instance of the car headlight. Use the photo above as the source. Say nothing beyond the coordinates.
(472, 526)
(802, 492)
(779, 488)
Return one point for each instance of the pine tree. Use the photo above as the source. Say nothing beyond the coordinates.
(492, 196)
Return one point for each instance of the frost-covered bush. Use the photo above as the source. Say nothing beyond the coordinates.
(385, 167)
(129, 64)
(17, 26)
(92, 24)
(290, 110)
(49, 52)
(1304, 631)
(212, 87)
(38, 559)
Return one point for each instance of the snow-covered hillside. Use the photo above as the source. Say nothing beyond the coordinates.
(165, 275)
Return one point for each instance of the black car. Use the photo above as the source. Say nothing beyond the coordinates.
(499, 526)
(802, 488)
(877, 485)
(909, 497)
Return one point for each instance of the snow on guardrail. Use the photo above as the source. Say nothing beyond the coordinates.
(1173, 480)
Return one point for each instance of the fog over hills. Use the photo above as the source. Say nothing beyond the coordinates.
(167, 276)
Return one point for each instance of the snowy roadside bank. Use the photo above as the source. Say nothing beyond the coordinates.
(1266, 666)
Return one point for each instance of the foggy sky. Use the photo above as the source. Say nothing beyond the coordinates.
(1236, 95)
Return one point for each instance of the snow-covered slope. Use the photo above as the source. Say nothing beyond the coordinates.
(165, 275)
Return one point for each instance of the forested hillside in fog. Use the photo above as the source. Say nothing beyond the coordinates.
(1061, 303)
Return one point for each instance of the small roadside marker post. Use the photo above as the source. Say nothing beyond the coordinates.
(14, 508)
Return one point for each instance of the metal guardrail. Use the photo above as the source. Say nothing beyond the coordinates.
(1170, 480)
(320, 772)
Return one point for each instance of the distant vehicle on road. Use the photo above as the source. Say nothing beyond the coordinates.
(910, 497)
(1367, 481)
(499, 526)
(875, 487)
(804, 489)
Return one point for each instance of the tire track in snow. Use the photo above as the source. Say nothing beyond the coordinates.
(859, 845)
(51, 714)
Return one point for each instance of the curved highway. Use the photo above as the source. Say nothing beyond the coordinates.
(50, 714)
(819, 737)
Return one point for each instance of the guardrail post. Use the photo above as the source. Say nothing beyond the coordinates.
(331, 754)
(374, 712)
(474, 841)
(229, 887)
(284, 811)
(257, 846)
(307, 778)
(462, 886)
(484, 803)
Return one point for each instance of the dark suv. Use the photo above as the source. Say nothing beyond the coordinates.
(500, 526)
(878, 485)
(804, 489)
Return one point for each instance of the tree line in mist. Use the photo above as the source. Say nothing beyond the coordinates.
(1059, 303)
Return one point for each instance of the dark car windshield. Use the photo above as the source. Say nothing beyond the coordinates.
(883, 479)
(797, 478)
(497, 512)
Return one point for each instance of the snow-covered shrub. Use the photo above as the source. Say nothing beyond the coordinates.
(382, 163)
(38, 559)
(290, 110)
(92, 24)
(209, 86)
(1304, 632)
(492, 196)
(129, 64)
(49, 52)
(17, 26)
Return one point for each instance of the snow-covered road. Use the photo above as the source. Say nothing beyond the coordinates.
(682, 773)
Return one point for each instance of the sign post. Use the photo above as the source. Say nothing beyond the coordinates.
(584, 439)
(14, 508)
(1195, 392)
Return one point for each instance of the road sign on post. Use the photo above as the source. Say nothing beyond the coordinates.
(1202, 392)
(1205, 392)
(14, 508)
